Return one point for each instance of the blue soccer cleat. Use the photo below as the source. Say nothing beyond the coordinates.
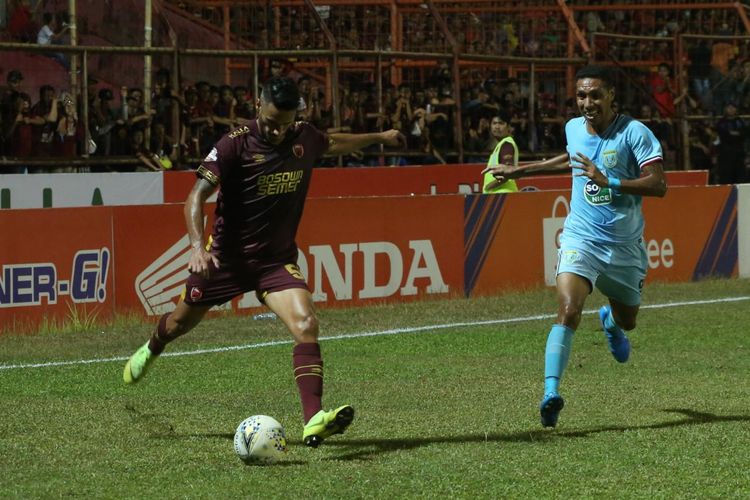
(619, 345)
(549, 409)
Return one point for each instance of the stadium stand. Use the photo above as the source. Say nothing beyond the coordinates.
(436, 70)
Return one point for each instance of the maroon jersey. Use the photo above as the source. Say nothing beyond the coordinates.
(262, 190)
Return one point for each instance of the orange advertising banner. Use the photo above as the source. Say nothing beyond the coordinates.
(55, 264)
(395, 248)
(405, 181)
(511, 241)
(351, 250)
(92, 262)
(154, 250)
(691, 233)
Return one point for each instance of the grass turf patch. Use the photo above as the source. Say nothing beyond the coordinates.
(441, 411)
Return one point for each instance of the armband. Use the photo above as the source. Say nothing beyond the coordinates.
(614, 183)
(206, 174)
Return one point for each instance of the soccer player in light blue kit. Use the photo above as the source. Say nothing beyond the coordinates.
(615, 160)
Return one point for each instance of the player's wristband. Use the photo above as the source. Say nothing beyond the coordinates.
(614, 183)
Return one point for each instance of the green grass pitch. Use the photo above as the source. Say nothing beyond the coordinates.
(448, 410)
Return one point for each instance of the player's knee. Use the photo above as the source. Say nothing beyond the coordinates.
(306, 327)
(569, 314)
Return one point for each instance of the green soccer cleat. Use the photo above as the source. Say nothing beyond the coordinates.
(327, 423)
(138, 364)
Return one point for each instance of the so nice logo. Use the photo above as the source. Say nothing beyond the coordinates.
(159, 285)
(31, 284)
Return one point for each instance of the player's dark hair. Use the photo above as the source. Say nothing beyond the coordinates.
(600, 72)
(282, 92)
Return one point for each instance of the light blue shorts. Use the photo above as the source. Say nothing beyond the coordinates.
(618, 271)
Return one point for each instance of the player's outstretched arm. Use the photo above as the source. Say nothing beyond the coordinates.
(194, 216)
(652, 181)
(342, 144)
(555, 165)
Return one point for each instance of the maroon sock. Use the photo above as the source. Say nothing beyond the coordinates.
(160, 339)
(308, 373)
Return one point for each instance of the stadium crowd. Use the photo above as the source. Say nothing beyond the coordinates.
(714, 90)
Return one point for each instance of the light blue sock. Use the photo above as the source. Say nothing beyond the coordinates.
(559, 343)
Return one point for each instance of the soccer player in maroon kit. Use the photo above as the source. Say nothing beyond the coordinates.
(262, 171)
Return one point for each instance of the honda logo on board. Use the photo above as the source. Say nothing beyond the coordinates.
(160, 285)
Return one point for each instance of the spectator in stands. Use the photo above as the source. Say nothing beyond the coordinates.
(43, 135)
(348, 107)
(50, 34)
(103, 118)
(480, 106)
(732, 131)
(283, 67)
(513, 101)
(441, 76)
(244, 109)
(224, 117)
(164, 147)
(661, 128)
(662, 89)
(135, 97)
(202, 118)
(134, 113)
(478, 142)
(699, 70)
(401, 114)
(149, 161)
(724, 90)
(18, 133)
(68, 131)
(21, 25)
(313, 111)
(701, 138)
(551, 128)
(722, 53)
(8, 94)
(163, 100)
(190, 130)
(8, 110)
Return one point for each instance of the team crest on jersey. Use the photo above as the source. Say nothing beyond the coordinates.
(196, 293)
(298, 150)
(610, 159)
(597, 195)
(212, 155)
(570, 257)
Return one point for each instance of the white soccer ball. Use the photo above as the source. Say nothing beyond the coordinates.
(260, 439)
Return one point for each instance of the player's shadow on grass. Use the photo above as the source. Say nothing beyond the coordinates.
(365, 449)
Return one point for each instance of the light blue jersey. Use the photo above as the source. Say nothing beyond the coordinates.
(596, 213)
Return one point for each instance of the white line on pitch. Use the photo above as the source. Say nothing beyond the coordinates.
(393, 331)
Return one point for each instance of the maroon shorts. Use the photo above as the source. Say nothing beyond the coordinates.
(231, 280)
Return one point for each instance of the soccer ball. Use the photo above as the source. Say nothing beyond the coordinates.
(259, 439)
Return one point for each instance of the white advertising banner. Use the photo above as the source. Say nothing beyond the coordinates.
(80, 190)
(552, 229)
(743, 229)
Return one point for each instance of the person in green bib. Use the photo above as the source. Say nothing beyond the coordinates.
(506, 153)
